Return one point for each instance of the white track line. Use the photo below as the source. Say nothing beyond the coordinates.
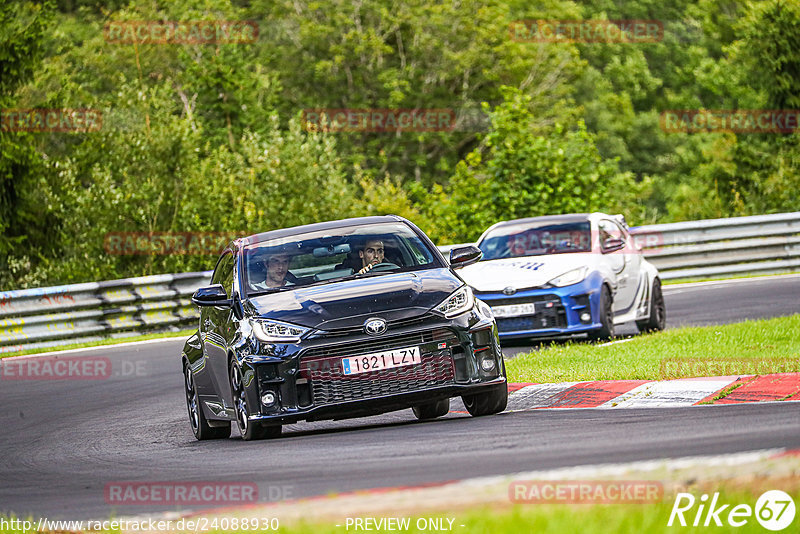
(705, 285)
(110, 346)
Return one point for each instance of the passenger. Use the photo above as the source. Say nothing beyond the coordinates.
(277, 267)
(371, 255)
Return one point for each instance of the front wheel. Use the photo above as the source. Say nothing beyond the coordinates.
(250, 430)
(493, 401)
(606, 316)
(658, 311)
(432, 410)
(200, 427)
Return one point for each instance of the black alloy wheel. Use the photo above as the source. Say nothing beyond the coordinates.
(250, 430)
(200, 426)
(658, 311)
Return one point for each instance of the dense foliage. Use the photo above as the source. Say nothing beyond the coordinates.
(210, 137)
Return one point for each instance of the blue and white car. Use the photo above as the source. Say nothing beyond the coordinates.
(566, 274)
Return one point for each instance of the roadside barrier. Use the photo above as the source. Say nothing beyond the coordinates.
(761, 244)
(77, 313)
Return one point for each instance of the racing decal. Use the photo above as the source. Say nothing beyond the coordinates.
(530, 265)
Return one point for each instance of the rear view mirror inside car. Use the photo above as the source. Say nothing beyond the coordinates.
(331, 250)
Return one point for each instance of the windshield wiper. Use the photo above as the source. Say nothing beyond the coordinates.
(363, 275)
(271, 290)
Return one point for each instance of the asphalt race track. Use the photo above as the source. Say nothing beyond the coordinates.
(732, 301)
(63, 441)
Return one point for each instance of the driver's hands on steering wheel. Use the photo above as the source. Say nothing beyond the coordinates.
(380, 265)
(367, 267)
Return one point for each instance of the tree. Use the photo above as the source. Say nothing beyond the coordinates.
(518, 173)
(23, 225)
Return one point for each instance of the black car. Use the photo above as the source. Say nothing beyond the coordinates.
(336, 320)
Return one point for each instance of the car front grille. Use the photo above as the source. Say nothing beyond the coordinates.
(550, 313)
(555, 319)
(322, 367)
(369, 345)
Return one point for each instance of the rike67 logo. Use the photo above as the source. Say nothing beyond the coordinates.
(774, 510)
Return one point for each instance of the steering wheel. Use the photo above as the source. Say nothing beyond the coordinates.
(383, 266)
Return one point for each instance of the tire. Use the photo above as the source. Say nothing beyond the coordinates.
(606, 312)
(200, 427)
(432, 410)
(493, 401)
(249, 430)
(658, 311)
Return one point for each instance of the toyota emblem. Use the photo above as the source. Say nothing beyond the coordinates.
(375, 326)
(509, 290)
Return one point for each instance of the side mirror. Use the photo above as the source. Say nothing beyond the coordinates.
(612, 244)
(463, 256)
(211, 296)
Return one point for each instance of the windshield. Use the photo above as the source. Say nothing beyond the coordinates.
(333, 255)
(533, 239)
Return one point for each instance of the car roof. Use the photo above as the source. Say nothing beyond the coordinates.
(568, 217)
(295, 230)
(553, 219)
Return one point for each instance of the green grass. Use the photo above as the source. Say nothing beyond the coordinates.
(110, 341)
(769, 343)
(560, 519)
(555, 518)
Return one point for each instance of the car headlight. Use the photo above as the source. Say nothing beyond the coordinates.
(458, 302)
(570, 277)
(276, 331)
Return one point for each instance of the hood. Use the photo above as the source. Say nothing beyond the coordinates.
(521, 273)
(349, 303)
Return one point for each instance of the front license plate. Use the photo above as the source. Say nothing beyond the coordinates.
(381, 360)
(514, 310)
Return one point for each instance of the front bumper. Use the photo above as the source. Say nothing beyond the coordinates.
(308, 382)
(558, 310)
(377, 405)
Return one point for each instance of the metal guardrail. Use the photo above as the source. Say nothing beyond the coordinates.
(761, 244)
(53, 316)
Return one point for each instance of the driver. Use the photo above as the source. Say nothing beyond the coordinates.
(277, 266)
(371, 255)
